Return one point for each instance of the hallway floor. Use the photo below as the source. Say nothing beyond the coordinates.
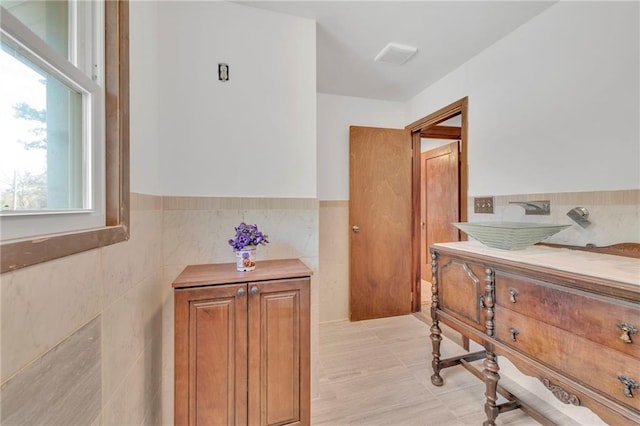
(377, 372)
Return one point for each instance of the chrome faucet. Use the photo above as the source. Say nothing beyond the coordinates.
(534, 207)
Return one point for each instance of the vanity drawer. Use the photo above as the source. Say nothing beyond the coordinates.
(588, 362)
(597, 318)
(460, 287)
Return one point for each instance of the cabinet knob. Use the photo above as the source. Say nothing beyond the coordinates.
(241, 291)
(254, 290)
(627, 331)
(512, 295)
(355, 229)
(514, 332)
(629, 385)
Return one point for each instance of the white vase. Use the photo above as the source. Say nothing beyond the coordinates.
(246, 259)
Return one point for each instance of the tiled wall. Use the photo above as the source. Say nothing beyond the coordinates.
(196, 230)
(82, 335)
(615, 217)
(88, 339)
(334, 260)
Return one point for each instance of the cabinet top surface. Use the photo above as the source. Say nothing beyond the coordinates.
(225, 273)
(604, 266)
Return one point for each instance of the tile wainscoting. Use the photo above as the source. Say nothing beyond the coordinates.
(614, 215)
(334, 260)
(106, 315)
(81, 335)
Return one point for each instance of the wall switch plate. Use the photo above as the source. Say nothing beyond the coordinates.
(483, 204)
(223, 72)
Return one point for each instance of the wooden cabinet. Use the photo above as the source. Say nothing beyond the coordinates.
(578, 334)
(242, 345)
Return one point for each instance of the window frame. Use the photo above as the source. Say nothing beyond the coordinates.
(27, 252)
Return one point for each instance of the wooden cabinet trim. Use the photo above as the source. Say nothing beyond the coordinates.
(225, 273)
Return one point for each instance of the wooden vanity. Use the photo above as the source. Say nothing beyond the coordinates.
(242, 344)
(569, 318)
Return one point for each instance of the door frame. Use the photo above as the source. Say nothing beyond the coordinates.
(458, 107)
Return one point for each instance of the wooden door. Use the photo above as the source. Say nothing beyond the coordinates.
(441, 200)
(380, 215)
(279, 345)
(211, 355)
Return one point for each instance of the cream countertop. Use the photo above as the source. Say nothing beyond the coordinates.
(616, 268)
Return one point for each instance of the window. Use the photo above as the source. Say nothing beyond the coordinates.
(64, 128)
(51, 103)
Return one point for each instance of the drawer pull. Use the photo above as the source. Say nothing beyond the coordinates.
(627, 331)
(629, 385)
(512, 295)
(514, 332)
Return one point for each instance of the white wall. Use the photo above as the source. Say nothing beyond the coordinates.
(554, 106)
(427, 144)
(335, 115)
(253, 136)
(144, 99)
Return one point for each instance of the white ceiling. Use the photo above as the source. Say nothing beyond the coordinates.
(447, 34)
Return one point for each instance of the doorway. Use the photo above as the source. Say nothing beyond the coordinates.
(439, 187)
(439, 200)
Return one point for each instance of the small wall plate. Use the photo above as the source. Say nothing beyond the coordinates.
(483, 204)
(223, 72)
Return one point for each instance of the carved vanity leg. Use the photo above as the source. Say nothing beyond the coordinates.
(491, 378)
(490, 363)
(436, 337)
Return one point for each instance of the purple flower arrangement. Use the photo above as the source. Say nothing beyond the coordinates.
(248, 235)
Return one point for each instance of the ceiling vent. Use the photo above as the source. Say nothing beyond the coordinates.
(394, 53)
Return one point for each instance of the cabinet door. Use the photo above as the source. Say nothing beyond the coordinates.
(211, 355)
(279, 352)
(460, 288)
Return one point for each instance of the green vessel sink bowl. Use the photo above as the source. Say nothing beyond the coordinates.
(509, 235)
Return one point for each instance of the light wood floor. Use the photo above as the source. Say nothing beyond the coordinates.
(377, 372)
